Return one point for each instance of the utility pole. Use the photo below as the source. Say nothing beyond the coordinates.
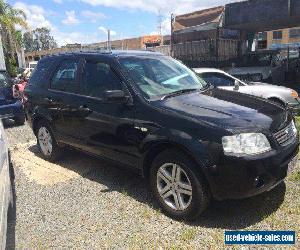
(108, 41)
(159, 21)
(171, 38)
(122, 41)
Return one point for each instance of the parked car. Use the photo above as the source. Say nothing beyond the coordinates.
(152, 114)
(6, 197)
(261, 66)
(283, 96)
(10, 107)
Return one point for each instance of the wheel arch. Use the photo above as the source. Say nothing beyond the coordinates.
(159, 147)
(36, 119)
(277, 99)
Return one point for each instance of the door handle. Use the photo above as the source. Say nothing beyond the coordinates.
(84, 109)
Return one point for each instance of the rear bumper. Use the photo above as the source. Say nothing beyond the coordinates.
(242, 177)
(11, 110)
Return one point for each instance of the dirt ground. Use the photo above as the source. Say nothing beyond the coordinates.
(82, 202)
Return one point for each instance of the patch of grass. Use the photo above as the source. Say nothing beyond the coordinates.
(295, 177)
(124, 192)
(297, 118)
(188, 234)
(146, 214)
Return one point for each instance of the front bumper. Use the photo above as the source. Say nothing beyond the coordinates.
(294, 107)
(242, 177)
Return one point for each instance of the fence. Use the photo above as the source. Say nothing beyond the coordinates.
(165, 49)
(209, 53)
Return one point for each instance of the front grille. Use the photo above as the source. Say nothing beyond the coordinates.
(287, 135)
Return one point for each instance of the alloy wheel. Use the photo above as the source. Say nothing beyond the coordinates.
(174, 186)
(45, 141)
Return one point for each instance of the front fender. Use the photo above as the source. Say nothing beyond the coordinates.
(200, 151)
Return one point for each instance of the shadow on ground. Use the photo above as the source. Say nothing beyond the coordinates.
(231, 214)
(11, 220)
(9, 123)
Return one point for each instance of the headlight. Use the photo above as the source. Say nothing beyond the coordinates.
(294, 94)
(248, 143)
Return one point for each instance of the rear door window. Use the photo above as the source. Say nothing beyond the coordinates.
(65, 77)
(217, 80)
(98, 77)
(42, 72)
(4, 79)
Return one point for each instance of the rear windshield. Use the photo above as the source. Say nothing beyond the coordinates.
(4, 79)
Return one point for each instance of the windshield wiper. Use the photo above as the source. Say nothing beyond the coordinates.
(178, 92)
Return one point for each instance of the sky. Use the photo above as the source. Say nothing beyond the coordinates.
(87, 21)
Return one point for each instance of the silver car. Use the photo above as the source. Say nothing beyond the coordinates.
(281, 95)
(6, 196)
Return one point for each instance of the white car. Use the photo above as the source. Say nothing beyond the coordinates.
(6, 197)
(281, 95)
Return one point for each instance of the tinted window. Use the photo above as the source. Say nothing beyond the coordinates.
(277, 34)
(218, 80)
(4, 79)
(64, 78)
(97, 78)
(294, 33)
(256, 60)
(42, 70)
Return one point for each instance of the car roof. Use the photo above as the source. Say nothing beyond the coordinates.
(208, 70)
(108, 53)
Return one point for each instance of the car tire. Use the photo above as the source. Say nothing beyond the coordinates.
(185, 199)
(20, 120)
(46, 142)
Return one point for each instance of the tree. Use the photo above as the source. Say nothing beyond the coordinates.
(11, 39)
(39, 39)
(28, 41)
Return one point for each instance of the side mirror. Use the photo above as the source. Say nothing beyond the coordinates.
(236, 85)
(117, 96)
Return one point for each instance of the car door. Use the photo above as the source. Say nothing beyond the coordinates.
(104, 127)
(63, 89)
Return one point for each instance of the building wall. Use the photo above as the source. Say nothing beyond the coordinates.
(285, 37)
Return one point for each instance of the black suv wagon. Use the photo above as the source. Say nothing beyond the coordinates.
(154, 115)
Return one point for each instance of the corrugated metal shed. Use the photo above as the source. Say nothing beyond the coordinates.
(210, 17)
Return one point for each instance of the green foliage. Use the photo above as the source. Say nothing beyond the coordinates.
(297, 118)
(11, 65)
(11, 39)
(39, 39)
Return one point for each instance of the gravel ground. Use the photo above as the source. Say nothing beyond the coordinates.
(82, 202)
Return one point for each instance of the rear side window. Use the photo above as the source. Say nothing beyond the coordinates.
(97, 78)
(41, 71)
(65, 77)
(217, 80)
(4, 79)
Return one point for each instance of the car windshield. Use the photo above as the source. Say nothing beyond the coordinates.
(161, 75)
(4, 79)
(256, 60)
